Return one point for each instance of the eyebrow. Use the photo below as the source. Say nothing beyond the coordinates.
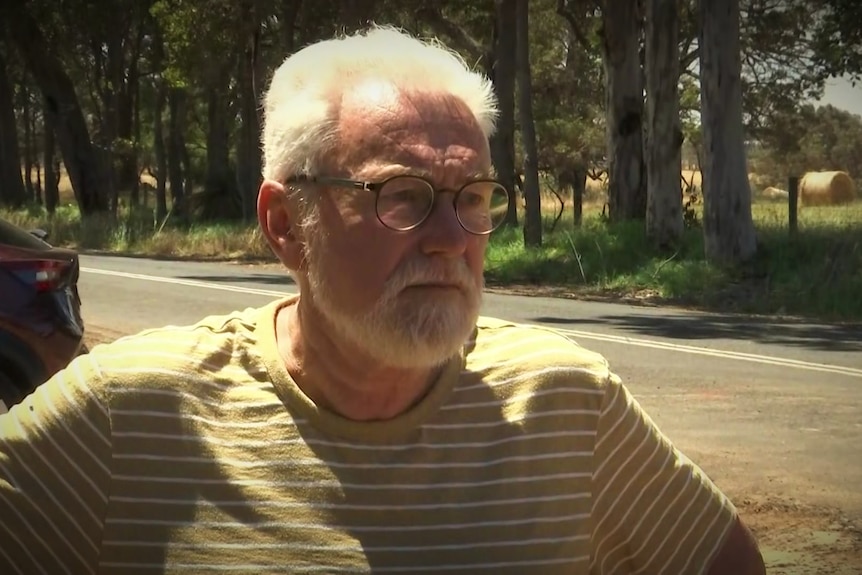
(400, 170)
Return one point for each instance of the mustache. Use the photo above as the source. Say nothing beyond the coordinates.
(425, 271)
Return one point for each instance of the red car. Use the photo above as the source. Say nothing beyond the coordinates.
(41, 329)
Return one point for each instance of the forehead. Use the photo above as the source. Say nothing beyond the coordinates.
(382, 127)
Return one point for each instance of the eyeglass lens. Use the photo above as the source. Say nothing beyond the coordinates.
(404, 203)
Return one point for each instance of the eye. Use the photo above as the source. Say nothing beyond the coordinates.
(406, 195)
(406, 190)
(476, 195)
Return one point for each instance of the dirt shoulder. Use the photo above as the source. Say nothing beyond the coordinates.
(799, 539)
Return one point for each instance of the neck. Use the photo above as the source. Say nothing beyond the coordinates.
(336, 376)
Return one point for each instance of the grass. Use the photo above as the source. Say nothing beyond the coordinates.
(816, 273)
(137, 233)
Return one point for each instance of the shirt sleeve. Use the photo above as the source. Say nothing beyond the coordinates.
(654, 511)
(55, 454)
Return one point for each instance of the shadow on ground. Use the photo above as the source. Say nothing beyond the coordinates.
(266, 279)
(244, 259)
(799, 333)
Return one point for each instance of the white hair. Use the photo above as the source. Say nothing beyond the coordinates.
(300, 118)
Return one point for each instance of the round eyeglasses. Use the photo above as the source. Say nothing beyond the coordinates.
(405, 202)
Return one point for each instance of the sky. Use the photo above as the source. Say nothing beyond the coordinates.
(841, 94)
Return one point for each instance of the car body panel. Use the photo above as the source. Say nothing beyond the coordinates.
(41, 328)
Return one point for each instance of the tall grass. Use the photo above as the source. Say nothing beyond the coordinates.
(137, 232)
(816, 272)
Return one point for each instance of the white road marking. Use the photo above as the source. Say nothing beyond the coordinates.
(577, 334)
(765, 359)
(191, 283)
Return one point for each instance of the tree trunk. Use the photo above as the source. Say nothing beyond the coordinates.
(126, 145)
(624, 103)
(220, 180)
(289, 14)
(135, 193)
(160, 100)
(728, 229)
(52, 176)
(33, 152)
(579, 188)
(664, 223)
(12, 190)
(176, 126)
(27, 148)
(79, 155)
(248, 152)
(113, 80)
(159, 151)
(533, 216)
(502, 74)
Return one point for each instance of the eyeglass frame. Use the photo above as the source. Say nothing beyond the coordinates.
(375, 188)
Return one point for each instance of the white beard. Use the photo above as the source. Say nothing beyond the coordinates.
(416, 328)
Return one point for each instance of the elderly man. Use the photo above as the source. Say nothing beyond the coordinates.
(374, 423)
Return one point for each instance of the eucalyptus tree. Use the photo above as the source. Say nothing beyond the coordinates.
(12, 191)
(664, 220)
(729, 234)
(87, 171)
(532, 197)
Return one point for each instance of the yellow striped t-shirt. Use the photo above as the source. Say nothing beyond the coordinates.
(191, 450)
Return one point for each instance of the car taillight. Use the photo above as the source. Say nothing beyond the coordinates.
(44, 275)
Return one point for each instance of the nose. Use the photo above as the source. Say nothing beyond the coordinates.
(442, 233)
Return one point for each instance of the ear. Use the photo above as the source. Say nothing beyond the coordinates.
(278, 219)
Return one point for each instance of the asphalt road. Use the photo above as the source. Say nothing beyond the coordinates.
(769, 408)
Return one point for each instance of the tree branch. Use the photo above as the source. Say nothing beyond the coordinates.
(577, 31)
(689, 58)
(432, 15)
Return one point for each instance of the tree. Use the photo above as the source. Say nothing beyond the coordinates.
(49, 163)
(571, 124)
(823, 138)
(533, 216)
(86, 171)
(729, 235)
(502, 74)
(664, 223)
(12, 191)
(624, 95)
(838, 37)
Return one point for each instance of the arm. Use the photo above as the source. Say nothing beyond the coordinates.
(55, 454)
(739, 554)
(654, 510)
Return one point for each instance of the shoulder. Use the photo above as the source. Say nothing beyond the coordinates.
(500, 341)
(539, 358)
(215, 346)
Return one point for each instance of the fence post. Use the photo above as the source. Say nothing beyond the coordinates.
(793, 202)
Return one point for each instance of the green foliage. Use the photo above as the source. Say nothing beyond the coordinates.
(568, 90)
(810, 139)
(780, 60)
(199, 38)
(838, 36)
(818, 272)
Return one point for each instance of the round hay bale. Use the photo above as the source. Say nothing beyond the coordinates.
(826, 189)
(774, 194)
